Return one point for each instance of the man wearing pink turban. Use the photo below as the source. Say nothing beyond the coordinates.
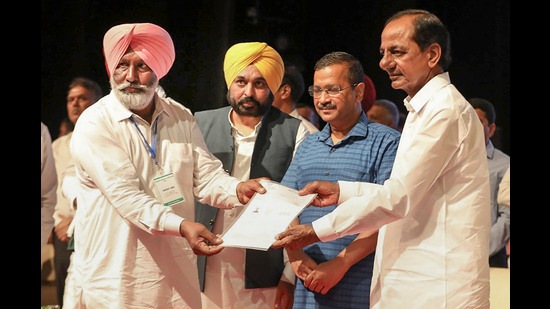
(141, 161)
(150, 42)
(253, 139)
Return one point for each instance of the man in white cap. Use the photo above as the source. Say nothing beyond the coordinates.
(141, 161)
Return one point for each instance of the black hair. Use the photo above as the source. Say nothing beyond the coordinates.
(293, 77)
(429, 29)
(355, 68)
(487, 107)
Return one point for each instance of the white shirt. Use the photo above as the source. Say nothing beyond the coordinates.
(503, 196)
(128, 248)
(434, 211)
(64, 166)
(311, 128)
(48, 184)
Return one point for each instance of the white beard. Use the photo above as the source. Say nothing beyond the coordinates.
(133, 101)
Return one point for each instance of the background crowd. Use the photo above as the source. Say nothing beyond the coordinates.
(302, 31)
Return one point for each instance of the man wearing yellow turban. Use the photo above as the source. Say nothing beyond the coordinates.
(140, 163)
(253, 139)
(266, 59)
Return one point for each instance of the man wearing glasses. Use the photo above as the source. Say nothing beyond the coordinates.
(433, 213)
(337, 274)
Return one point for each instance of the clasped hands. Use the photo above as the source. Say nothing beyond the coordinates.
(317, 277)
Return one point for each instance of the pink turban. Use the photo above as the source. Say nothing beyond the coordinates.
(369, 96)
(264, 57)
(150, 42)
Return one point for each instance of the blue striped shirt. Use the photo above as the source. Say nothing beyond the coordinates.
(366, 154)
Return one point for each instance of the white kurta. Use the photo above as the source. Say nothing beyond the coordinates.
(128, 249)
(310, 127)
(48, 184)
(224, 275)
(433, 252)
(64, 165)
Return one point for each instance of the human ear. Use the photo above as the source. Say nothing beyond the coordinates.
(434, 54)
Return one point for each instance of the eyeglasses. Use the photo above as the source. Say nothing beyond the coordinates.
(332, 91)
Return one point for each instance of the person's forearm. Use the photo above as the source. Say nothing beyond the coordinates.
(363, 245)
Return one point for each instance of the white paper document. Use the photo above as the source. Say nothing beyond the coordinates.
(265, 216)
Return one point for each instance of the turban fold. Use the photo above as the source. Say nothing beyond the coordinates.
(264, 57)
(150, 42)
(369, 96)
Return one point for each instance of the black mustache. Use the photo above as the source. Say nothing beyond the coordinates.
(248, 99)
(325, 105)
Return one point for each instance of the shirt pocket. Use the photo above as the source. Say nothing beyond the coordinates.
(179, 160)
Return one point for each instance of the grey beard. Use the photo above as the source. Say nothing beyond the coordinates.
(134, 101)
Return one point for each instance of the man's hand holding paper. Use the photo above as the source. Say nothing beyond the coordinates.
(265, 216)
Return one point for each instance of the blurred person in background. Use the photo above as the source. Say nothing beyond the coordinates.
(82, 93)
(48, 185)
(291, 90)
(503, 197)
(308, 112)
(504, 200)
(370, 94)
(65, 127)
(498, 163)
(385, 112)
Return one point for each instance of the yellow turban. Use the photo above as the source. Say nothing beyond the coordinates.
(150, 42)
(264, 57)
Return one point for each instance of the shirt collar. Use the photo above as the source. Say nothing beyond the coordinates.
(420, 99)
(234, 129)
(359, 129)
(490, 150)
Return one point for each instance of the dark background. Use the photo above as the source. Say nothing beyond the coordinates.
(72, 34)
